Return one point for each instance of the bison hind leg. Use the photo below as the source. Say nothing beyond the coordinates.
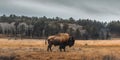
(49, 48)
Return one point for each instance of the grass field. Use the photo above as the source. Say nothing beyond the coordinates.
(35, 49)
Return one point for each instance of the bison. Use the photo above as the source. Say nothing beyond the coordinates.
(62, 40)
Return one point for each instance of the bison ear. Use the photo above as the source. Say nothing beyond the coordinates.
(71, 38)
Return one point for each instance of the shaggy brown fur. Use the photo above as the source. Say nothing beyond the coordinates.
(62, 37)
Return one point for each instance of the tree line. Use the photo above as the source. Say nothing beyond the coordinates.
(42, 27)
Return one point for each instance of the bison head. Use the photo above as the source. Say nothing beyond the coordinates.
(71, 41)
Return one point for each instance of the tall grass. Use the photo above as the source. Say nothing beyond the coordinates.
(36, 50)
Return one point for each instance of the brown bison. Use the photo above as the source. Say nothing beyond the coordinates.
(62, 40)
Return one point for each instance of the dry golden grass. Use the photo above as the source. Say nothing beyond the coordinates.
(35, 49)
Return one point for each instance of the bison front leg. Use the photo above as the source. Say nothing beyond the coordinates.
(64, 48)
(60, 48)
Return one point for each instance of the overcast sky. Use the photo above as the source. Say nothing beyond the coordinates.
(102, 10)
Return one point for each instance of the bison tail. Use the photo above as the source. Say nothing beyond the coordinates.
(45, 41)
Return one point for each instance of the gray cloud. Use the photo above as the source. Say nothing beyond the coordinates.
(102, 10)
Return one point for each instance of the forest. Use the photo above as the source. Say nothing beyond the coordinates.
(42, 27)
